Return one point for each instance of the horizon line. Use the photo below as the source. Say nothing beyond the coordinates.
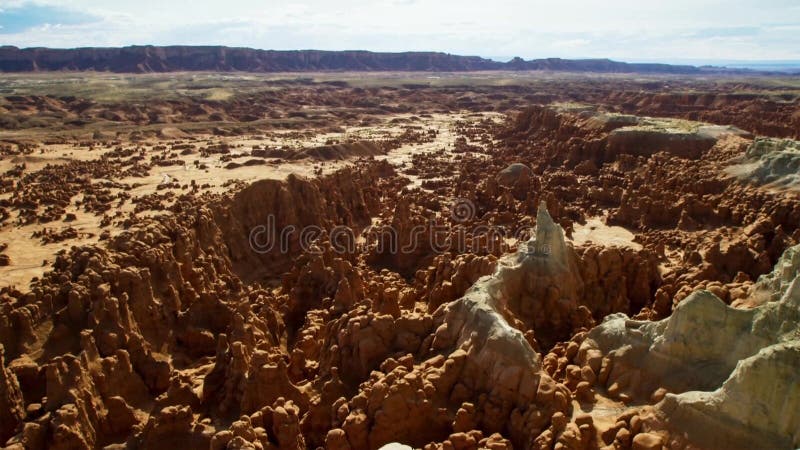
(497, 58)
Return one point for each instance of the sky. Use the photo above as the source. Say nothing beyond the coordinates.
(627, 30)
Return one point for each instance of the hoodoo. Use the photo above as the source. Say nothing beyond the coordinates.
(356, 261)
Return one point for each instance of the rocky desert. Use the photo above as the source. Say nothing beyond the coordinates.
(399, 254)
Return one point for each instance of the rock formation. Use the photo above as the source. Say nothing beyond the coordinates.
(771, 162)
(570, 276)
(729, 372)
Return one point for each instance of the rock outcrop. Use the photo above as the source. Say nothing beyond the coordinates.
(730, 372)
(12, 405)
(773, 163)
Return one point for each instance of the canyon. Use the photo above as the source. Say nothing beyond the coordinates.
(365, 262)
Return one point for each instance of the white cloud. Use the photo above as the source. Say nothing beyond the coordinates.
(624, 29)
(572, 43)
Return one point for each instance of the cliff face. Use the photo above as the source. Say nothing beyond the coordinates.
(217, 58)
(143, 59)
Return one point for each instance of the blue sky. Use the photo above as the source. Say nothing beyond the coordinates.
(676, 30)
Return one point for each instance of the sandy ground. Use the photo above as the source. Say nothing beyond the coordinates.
(30, 257)
(596, 231)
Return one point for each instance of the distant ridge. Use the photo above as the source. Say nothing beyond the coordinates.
(147, 59)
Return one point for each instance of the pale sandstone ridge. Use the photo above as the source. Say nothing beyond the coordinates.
(732, 373)
(774, 163)
(482, 316)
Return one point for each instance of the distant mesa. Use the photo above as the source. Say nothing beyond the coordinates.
(146, 59)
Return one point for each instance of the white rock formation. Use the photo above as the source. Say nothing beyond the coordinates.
(486, 311)
(734, 373)
(774, 163)
(395, 446)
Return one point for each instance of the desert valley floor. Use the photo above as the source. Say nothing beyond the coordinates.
(443, 261)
